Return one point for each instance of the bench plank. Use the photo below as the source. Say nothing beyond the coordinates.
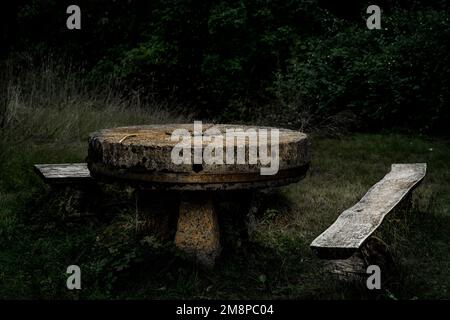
(355, 225)
(64, 173)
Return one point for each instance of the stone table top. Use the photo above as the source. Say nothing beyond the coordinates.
(143, 155)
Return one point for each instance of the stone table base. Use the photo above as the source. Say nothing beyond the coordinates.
(198, 228)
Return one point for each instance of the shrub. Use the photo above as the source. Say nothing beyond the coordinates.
(398, 76)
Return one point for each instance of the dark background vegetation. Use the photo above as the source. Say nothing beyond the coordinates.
(369, 98)
(247, 60)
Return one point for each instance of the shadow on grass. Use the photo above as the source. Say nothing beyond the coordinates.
(115, 263)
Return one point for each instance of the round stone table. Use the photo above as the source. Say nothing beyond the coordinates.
(142, 156)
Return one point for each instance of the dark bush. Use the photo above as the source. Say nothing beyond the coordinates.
(232, 60)
(395, 77)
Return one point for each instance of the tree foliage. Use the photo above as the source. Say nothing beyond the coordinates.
(231, 59)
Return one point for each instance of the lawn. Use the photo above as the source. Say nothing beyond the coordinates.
(38, 240)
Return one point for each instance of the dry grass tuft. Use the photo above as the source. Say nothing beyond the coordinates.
(52, 103)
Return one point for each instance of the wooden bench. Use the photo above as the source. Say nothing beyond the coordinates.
(72, 182)
(64, 173)
(355, 226)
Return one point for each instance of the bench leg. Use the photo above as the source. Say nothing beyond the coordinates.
(77, 201)
(376, 252)
(353, 269)
(198, 228)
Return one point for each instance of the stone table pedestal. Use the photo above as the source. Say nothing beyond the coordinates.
(198, 228)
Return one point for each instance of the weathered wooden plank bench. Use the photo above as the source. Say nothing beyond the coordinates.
(74, 182)
(64, 173)
(355, 226)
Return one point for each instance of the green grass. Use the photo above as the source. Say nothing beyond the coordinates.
(37, 243)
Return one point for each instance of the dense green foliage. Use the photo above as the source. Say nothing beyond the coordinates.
(231, 60)
(395, 77)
